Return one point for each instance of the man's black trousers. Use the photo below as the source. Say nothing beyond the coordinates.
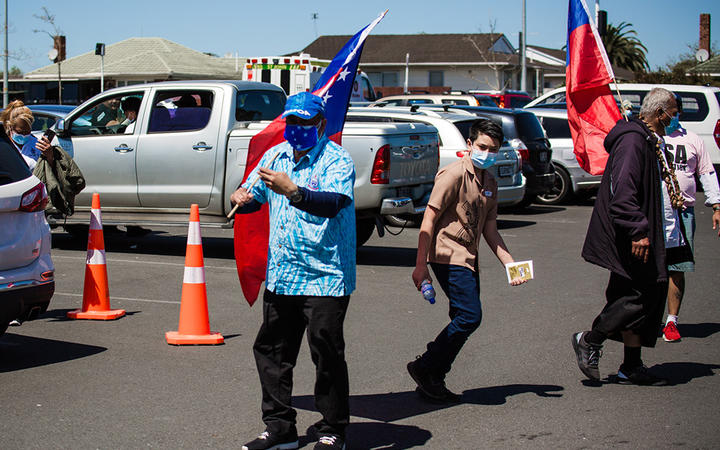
(276, 348)
(632, 305)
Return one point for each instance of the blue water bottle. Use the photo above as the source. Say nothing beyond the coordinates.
(428, 291)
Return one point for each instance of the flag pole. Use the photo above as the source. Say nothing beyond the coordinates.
(232, 213)
(622, 102)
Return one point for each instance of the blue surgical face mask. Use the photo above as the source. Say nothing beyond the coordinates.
(482, 159)
(20, 139)
(301, 137)
(674, 124)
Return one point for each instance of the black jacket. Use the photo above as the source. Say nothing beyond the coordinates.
(628, 206)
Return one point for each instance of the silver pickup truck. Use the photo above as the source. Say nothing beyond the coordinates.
(188, 144)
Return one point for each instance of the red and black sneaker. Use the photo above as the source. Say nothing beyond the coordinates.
(671, 333)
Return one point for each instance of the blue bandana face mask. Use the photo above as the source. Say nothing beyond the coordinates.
(20, 139)
(482, 159)
(674, 124)
(301, 137)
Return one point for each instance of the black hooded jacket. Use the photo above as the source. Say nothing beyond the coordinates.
(628, 206)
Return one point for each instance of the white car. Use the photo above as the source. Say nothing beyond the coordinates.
(570, 178)
(27, 280)
(428, 99)
(453, 128)
(700, 108)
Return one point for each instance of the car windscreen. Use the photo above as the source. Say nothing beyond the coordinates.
(12, 166)
(464, 127)
(259, 105)
(528, 127)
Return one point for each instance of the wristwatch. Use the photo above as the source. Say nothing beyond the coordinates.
(295, 196)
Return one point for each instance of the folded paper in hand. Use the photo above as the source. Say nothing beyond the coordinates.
(520, 269)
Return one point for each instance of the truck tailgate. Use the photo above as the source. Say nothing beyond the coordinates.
(412, 147)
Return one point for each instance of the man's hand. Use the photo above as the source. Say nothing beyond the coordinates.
(241, 197)
(44, 146)
(278, 182)
(517, 281)
(420, 274)
(641, 249)
(716, 221)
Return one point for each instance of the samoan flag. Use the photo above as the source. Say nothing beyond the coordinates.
(592, 110)
(251, 231)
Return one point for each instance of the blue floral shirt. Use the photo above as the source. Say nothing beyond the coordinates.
(308, 254)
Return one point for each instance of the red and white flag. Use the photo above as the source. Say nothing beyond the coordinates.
(592, 110)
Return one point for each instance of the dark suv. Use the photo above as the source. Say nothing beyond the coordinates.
(524, 132)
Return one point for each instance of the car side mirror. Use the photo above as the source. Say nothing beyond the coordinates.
(60, 127)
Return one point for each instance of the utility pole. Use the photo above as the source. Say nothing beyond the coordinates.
(523, 79)
(5, 57)
(315, 17)
(407, 73)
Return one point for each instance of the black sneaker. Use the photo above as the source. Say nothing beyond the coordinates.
(330, 442)
(639, 375)
(428, 386)
(272, 441)
(588, 356)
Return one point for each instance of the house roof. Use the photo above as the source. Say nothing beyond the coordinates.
(137, 57)
(423, 48)
(710, 67)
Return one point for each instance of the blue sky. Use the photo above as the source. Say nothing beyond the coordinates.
(666, 27)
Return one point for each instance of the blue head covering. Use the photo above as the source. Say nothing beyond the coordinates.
(304, 105)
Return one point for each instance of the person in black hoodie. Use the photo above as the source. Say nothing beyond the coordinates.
(636, 208)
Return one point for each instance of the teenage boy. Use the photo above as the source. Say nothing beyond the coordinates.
(462, 207)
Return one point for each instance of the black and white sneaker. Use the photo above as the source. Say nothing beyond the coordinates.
(330, 442)
(272, 441)
(639, 375)
(588, 356)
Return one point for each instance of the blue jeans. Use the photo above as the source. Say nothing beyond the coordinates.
(460, 284)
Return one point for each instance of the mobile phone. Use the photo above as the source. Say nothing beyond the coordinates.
(49, 134)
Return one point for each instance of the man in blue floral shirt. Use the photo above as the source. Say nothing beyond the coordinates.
(310, 272)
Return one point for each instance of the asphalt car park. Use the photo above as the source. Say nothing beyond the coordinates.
(118, 384)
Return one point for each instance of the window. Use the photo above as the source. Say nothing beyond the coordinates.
(448, 101)
(419, 101)
(180, 111)
(42, 121)
(556, 128)
(258, 105)
(436, 78)
(390, 79)
(694, 106)
(13, 167)
(111, 115)
(528, 127)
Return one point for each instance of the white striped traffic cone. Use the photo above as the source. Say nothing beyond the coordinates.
(96, 292)
(194, 326)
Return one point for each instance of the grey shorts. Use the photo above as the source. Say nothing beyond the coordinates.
(688, 218)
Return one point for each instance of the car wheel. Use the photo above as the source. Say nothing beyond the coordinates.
(364, 228)
(561, 190)
(77, 231)
(400, 222)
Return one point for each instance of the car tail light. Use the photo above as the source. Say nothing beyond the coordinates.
(461, 153)
(521, 148)
(381, 166)
(47, 275)
(34, 200)
(716, 133)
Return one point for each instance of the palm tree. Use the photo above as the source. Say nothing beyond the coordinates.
(624, 49)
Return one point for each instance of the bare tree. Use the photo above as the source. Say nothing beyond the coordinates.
(49, 19)
(489, 56)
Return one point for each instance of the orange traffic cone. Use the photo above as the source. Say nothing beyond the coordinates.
(96, 293)
(194, 326)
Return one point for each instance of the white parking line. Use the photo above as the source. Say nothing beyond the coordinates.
(67, 294)
(139, 261)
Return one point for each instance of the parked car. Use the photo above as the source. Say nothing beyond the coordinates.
(523, 131)
(46, 116)
(27, 280)
(570, 178)
(700, 108)
(505, 98)
(189, 145)
(454, 129)
(427, 99)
